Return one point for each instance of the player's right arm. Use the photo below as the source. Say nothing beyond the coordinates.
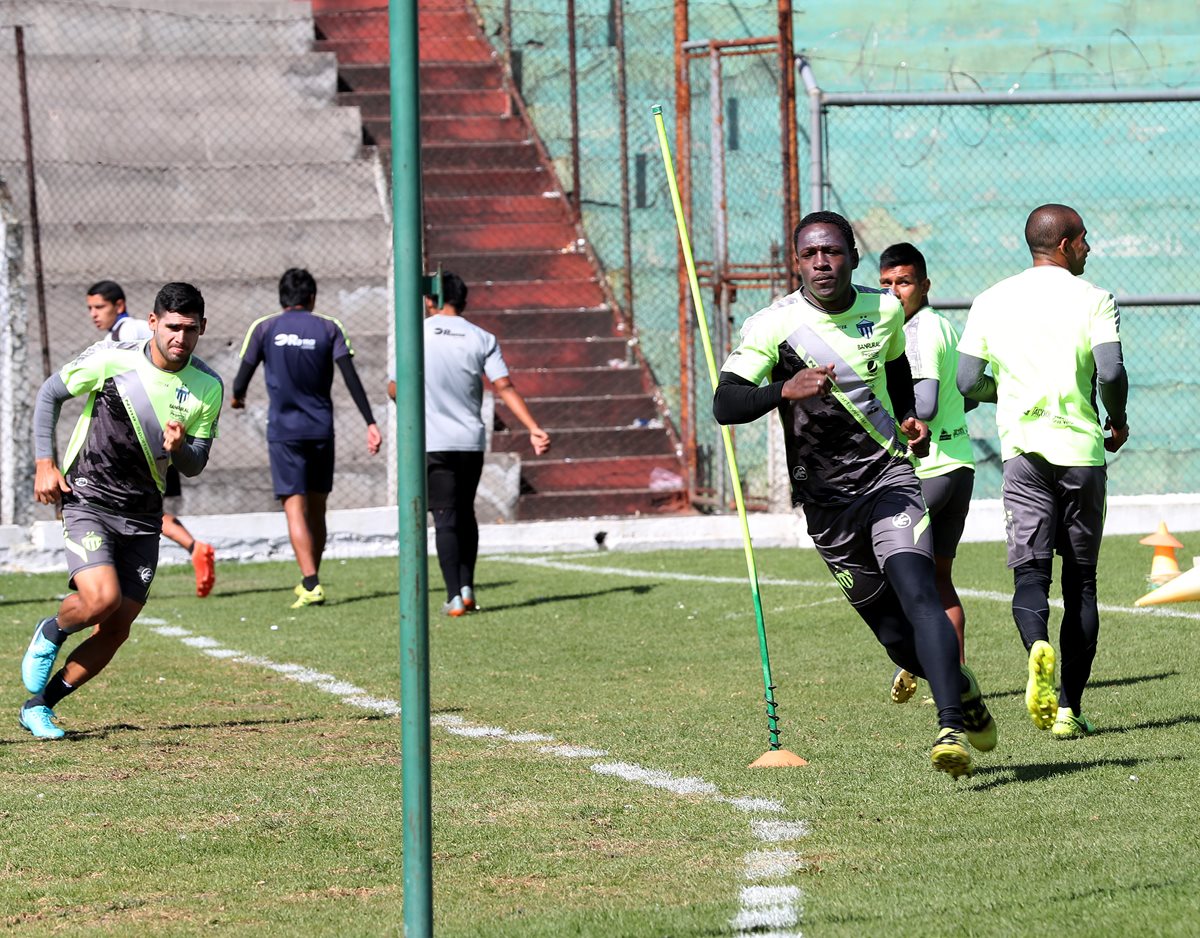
(48, 482)
(252, 354)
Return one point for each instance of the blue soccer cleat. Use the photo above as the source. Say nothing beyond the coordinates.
(40, 722)
(38, 662)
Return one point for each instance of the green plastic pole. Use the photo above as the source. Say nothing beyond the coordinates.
(410, 434)
(730, 457)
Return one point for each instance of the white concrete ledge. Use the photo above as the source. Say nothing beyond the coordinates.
(371, 532)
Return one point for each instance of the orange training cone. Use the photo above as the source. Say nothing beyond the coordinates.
(1164, 567)
(776, 759)
(1184, 588)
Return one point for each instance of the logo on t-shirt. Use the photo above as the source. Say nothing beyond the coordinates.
(294, 341)
(865, 327)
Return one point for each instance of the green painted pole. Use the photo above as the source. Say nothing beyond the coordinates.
(730, 456)
(410, 434)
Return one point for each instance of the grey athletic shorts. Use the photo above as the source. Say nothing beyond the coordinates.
(949, 499)
(1052, 509)
(856, 540)
(95, 538)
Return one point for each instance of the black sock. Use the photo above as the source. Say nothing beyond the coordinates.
(54, 691)
(310, 583)
(52, 633)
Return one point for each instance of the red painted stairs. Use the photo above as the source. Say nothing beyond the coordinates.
(496, 214)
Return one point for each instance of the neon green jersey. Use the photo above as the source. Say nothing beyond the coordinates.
(931, 344)
(1037, 331)
(840, 445)
(115, 458)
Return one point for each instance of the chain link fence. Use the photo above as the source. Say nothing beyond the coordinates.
(205, 147)
(174, 142)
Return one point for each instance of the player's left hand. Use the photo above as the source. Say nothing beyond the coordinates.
(374, 439)
(172, 436)
(917, 432)
(1116, 438)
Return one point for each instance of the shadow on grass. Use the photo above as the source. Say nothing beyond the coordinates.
(1093, 685)
(1182, 720)
(103, 732)
(638, 590)
(1034, 772)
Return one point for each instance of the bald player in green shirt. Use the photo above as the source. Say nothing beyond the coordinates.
(1052, 340)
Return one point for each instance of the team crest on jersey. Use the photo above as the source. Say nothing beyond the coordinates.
(845, 579)
(181, 394)
(902, 520)
(865, 327)
(92, 542)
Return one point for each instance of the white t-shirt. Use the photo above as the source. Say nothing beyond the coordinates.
(128, 329)
(457, 356)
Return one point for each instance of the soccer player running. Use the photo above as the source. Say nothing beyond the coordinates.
(149, 405)
(457, 355)
(300, 348)
(106, 306)
(1049, 336)
(947, 474)
(832, 354)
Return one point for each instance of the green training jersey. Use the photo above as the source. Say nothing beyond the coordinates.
(115, 459)
(841, 445)
(931, 344)
(1037, 331)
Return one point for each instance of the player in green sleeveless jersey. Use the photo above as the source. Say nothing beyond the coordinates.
(149, 404)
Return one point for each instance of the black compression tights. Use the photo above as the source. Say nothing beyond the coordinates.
(910, 623)
(456, 534)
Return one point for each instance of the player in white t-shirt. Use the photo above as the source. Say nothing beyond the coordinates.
(106, 306)
(457, 356)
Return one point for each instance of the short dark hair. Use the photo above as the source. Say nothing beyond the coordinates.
(109, 289)
(1048, 224)
(179, 298)
(903, 255)
(826, 218)
(454, 291)
(297, 288)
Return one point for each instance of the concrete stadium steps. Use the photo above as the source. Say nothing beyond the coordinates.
(188, 135)
(203, 250)
(613, 410)
(252, 194)
(286, 80)
(496, 215)
(91, 31)
(579, 382)
(515, 324)
(501, 237)
(527, 265)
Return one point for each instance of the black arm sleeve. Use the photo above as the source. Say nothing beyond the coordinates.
(241, 383)
(972, 383)
(354, 386)
(925, 394)
(740, 401)
(191, 458)
(900, 388)
(50, 398)
(1113, 380)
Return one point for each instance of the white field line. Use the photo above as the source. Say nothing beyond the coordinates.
(990, 595)
(762, 905)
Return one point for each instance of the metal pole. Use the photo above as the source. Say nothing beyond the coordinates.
(816, 144)
(716, 106)
(410, 432)
(35, 231)
(506, 30)
(573, 81)
(683, 163)
(623, 133)
(791, 153)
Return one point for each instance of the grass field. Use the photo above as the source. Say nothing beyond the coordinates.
(237, 768)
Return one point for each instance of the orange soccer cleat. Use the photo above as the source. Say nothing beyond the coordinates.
(203, 559)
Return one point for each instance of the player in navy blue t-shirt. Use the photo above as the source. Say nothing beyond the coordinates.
(299, 348)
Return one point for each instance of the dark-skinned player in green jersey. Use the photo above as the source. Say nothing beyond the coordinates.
(832, 359)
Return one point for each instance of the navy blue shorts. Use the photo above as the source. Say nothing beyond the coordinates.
(301, 466)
